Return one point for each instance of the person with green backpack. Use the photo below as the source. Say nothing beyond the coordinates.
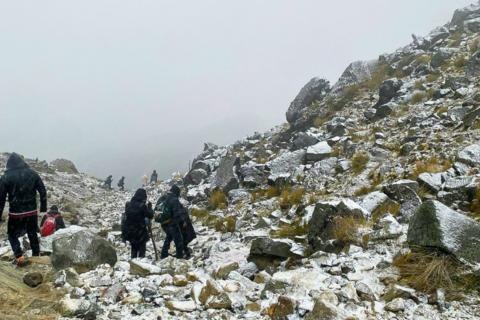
(172, 218)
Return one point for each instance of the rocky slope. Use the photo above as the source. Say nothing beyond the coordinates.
(363, 206)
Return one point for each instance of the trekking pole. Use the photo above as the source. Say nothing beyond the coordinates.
(149, 226)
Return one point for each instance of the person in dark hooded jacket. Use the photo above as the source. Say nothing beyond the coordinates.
(176, 227)
(138, 214)
(20, 185)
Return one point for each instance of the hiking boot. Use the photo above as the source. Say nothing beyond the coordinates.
(21, 261)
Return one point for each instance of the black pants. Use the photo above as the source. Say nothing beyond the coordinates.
(139, 249)
(17, 228)
(173, 234)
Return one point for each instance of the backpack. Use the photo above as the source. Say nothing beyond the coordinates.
(49, 226)
(165, 215)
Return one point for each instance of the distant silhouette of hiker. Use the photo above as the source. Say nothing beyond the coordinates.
(154, 177)
(174, 219)
(52, 221)
(138, 213)
(145, 180)
(20, 184)
(121, 184)
(108, 182)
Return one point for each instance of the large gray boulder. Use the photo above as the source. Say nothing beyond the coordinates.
(225, 177)
(356, 73)
(473, 66)
(388, 90)
(64, 165)
(303, 140)
(195, 176)
(318, 152)
(470, 155)
(321, 227)
(82, 251)
(285, 164)
(315, 89)
(435, 225)
(252, 174)
(280, 248)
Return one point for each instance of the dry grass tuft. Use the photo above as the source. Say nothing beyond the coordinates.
(295, 229)
(291, 197)
(427, 271)
(217, 200)
(475, 204)
(345, 229)
(391, 207)
(460, 62)
(432, 165)
(418, 97)
(359, 161)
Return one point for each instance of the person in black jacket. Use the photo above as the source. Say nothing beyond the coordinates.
(174, 226)
(20, 184)
(138, 214)
(54, 212)
(121, 184)
(154, 177)
(108, 182)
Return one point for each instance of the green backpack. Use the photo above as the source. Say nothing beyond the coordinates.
(165, 216)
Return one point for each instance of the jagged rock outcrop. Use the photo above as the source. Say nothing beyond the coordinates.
(315, 90)
(435, 225)
(226, 177)
(356, 73)
(64, 165)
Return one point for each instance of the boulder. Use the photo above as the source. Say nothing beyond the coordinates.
(396, 305)
(252, 175)
(202, 164)
(318, 152)
(284, 307)
(440, 56)
(281, 248)
(356, 73)
(33, 279)
(225, 177)
(473, 65)
(432, 181)
(223, 271)
(64, 165)
(470, 155)
(83, 251)
(182, 306)
(315, 90)
(286, 163)
(388, 90)
(238, 195)
(143, 269)
(373, 201)
(470, 12)
(472, 25)
(321, 226)
(404, 192)
(325, 308)
(435, 225)
(303, 140)
(213, 297)
(46, 243)
(195, 176)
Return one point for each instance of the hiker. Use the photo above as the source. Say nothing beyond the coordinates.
(121, 184)
(145, 180)
(52, 221)
(173, 218)
(20, 185)
(154, 177)
(108, 182)
(138, 213)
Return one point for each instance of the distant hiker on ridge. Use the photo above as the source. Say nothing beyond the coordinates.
(173, 218)
(154, 177)
(52, 221)
(20, 184)
(138, 213)
(121, 184)
(145, 180)
(108, 182)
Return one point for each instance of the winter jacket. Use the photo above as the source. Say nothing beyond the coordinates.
(134, 228)
(20, 185)
(179, 213)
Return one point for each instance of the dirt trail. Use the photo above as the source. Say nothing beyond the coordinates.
(18, 301)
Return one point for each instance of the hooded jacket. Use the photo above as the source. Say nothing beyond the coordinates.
(179, 213)
(134, 228)
(20, 185)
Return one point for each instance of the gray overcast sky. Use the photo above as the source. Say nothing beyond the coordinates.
(124, 87)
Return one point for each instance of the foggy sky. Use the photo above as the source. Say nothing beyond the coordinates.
(124, 87)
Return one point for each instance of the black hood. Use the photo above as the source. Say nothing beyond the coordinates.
(15, 161)
(175, 191)
(140, 195)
